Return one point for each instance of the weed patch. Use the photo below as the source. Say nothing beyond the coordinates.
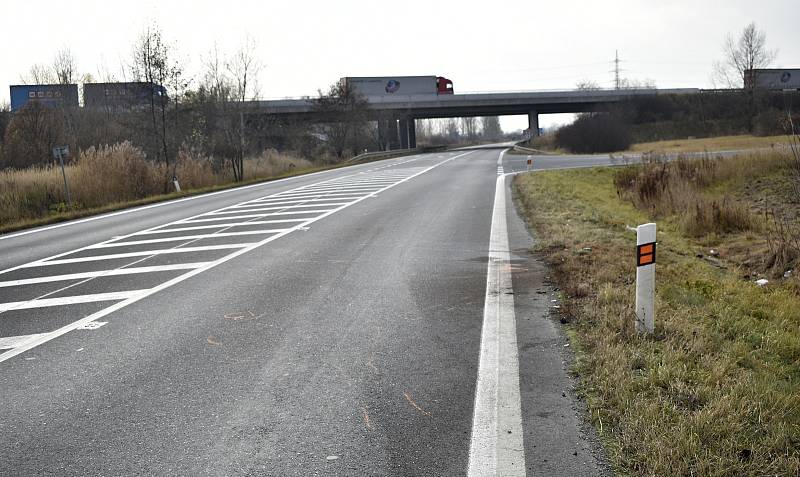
(119, 174)
(716, 390)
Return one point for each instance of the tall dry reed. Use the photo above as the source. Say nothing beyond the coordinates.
(121, 173)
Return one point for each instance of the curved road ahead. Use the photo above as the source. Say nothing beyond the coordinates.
(380, 319)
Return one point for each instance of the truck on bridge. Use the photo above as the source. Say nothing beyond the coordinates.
(773, 79)
(399, 85)
(51, 95)
(122, 96)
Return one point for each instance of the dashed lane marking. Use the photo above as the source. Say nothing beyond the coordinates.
(71, 300)
(185, 238)
(102, 273)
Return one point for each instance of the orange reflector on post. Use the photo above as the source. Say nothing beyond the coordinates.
(645, 254)
(530, 162)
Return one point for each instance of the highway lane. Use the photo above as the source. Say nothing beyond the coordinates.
(516, 163)
(344, 342)
(36, 243)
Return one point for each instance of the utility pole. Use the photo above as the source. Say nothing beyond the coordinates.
(616, 69)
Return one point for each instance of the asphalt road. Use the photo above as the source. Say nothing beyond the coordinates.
(330, 324)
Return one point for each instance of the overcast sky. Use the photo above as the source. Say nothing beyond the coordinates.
(481, 46)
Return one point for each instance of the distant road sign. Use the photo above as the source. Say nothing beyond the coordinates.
(60, 152)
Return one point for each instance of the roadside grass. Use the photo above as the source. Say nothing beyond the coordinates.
(118, 177)
(721, 143)
(711, 144)
(716, 390)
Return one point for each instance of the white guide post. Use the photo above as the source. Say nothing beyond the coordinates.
(645, 277)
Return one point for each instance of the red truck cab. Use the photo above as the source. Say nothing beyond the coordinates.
(443, 85)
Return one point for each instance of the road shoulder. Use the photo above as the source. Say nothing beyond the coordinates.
(558, 438)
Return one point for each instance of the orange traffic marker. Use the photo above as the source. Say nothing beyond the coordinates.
(645, 254)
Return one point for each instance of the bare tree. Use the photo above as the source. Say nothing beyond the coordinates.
(747, 52)
(629, 83)
(587, 85)
(451, 129)
(469, 127)
(215, 80)
(104, 73)
(491, 128)
(424, 129)
(65, 68)
(39, 74)
(31, 135)
(345, 113)
(153, 64)
(243, 68)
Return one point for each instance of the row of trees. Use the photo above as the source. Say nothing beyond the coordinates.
(208, 118)
(206, 114)
(454, 130)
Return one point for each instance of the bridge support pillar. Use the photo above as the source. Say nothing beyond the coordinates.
(404, 133)
(392, 135)
(384, 134)
(533, 123)
(397, 134)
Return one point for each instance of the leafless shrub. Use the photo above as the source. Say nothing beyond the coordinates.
(119, 173)
(675, 188)
(794, 148)
(592, 133)
(716, 216)
(783, 239)
(32, 134)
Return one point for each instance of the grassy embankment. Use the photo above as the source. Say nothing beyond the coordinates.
(716, 390)
(721, 143)
(117, 177)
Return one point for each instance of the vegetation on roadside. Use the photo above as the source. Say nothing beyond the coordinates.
(716, 390)
(719, 143)
(118, 175)
(596, 132)
(742, 142)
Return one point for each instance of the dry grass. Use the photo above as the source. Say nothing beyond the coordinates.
(721, 143)
(119, 174)
(684, 188)
(716, 391)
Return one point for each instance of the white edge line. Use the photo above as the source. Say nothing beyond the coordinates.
(496, 440)
(119, 305)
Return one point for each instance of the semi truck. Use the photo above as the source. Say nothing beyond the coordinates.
(399, 85)
(122, 96)
(774, 79)
(51, 95)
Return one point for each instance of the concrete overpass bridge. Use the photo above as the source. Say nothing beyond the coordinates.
(396, 115)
